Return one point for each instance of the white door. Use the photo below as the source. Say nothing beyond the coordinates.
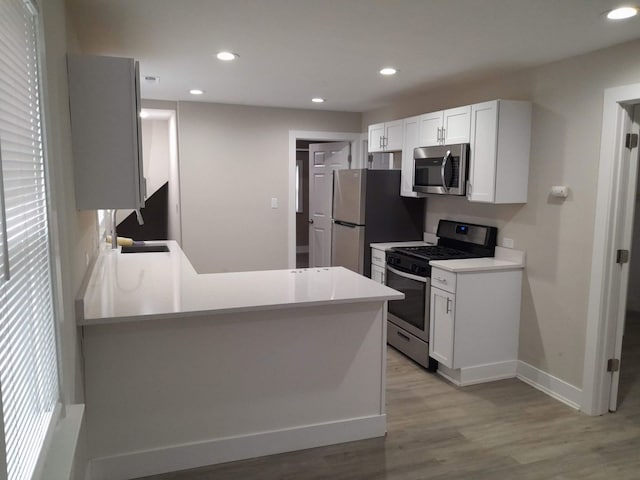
(441, 326)
(324, 158)
(630, 164)
(430, 128)
(482, 164)
(393, 136)
(457, 125)
(376, 135)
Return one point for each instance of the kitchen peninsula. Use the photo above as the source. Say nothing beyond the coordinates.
(185, 369)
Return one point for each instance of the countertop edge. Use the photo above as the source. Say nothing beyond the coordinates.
(446, 265)
(231, 310)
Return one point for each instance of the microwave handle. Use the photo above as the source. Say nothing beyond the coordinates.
(443, 168)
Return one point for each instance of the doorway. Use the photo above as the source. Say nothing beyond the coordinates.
(299, 221)
(615, 204)
(625, 384)
(161, 213)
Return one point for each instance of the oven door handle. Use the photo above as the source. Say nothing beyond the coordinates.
(407, 275)
(443, 169)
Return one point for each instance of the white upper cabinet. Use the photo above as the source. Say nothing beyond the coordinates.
(385, 137)
(104, 101)
(445, 127)
(500, 144)
(411, 141)
(456, 124)
(430, 129)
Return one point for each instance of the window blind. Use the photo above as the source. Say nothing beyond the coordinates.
(28, 362)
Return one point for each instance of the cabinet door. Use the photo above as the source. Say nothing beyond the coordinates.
(104, 107)
(378, 257)
(410, 129)
(376, 134)
(429, 129)
(457, 125)
(482, 161)
(377, 273)
(393, 136)
(441, 327)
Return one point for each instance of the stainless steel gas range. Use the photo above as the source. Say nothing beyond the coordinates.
(408, 271)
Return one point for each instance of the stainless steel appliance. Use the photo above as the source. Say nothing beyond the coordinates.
(409, 272)
(441, 169)
(368, 208)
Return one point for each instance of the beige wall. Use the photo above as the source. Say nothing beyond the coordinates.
(233, 160)
(76, 231)
(567, 101)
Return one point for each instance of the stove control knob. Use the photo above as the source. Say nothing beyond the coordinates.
(414, 268)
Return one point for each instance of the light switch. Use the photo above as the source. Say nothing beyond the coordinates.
(274, 202)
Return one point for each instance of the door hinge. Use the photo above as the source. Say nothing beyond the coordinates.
(622, 256)
(613, 365)
(631, 140)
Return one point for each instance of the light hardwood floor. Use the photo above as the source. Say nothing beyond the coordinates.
(501, 430)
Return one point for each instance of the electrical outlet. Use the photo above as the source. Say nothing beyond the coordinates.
(274, 202)
(507, 242)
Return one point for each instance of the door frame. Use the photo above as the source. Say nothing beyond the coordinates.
(295, 135)
(608, 235)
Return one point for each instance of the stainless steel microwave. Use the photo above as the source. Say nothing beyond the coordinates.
(441, 169)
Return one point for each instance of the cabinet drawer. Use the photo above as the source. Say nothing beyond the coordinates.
(443, 279)
(408, 344)
(378, 257)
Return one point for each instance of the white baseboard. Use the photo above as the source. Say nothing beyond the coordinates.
(302, 248)
(220, 450)
(552, 386)
(491, 372)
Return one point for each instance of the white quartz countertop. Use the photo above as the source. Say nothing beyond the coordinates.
(146, 286)
(505, 259)
(387, 246)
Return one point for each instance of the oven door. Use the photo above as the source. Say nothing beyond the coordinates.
(412, 313)
(440, 169)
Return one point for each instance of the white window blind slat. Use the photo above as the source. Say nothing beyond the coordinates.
(28, 363)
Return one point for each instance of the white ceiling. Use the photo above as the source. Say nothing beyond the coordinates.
(292, 50)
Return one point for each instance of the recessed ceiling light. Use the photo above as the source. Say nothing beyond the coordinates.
(388, 71)
(622, 13)
(226, 56)
(317, 100)
(144, 114)
(196, 91)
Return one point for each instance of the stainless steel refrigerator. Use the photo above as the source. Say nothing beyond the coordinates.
(368, 208)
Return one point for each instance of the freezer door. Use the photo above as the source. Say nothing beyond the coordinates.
(347, 247)
(349, 195)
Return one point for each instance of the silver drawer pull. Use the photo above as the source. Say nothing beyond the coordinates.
(440, 279)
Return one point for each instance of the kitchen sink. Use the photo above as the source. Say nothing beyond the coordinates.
(145, 249)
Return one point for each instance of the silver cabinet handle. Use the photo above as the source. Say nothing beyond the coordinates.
(438, 140)
(443, 135)
(441, 280)
(310, 221)
(448, 301)
(3, 219)
(380, 141)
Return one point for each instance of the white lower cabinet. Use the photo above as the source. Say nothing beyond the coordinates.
(378, 265)
(377, 274)
(442, 326)
(474, 322)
